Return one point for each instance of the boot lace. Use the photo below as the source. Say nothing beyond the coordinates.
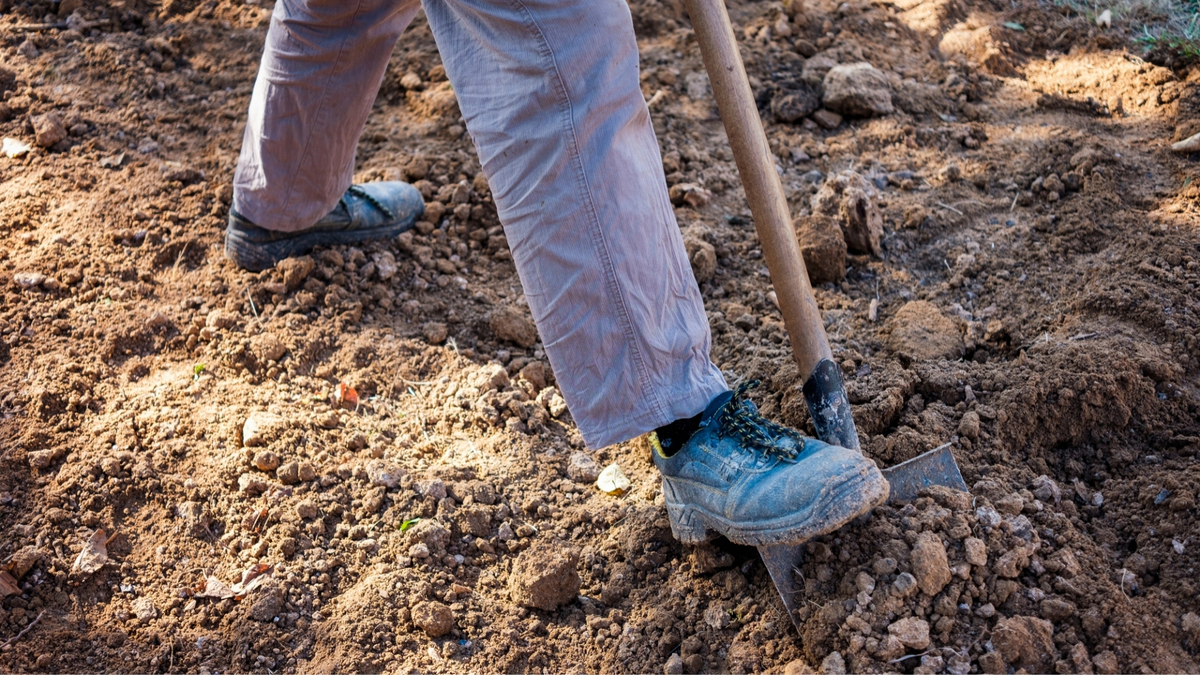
(360, 192)
(740, 418)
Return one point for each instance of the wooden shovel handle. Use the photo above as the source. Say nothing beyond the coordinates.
(764, 191)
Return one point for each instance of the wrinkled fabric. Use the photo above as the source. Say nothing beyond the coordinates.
(549, 93)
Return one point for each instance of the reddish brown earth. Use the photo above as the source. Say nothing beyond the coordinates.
(1033, 302)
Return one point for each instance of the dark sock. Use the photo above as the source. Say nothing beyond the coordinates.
(672, 436)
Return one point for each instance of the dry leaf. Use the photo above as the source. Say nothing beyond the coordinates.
(612, 481)
(215, 588)
(252, 579)
(8, 585)
(94, 554)
(345, 395)
(13, 148)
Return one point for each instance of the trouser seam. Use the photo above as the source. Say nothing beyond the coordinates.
(598, 239)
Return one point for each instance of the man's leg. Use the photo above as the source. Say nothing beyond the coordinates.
(549, 91)
(321, 68)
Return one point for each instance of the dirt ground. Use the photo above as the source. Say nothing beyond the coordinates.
(409, 473)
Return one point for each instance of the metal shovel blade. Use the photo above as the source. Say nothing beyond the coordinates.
(906, 480)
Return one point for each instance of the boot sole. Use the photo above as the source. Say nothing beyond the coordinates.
(837, 505)
(256, 257)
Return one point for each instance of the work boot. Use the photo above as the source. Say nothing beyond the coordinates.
(759, 483)
(369, 211)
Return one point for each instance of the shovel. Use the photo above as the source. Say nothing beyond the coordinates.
(824, 392)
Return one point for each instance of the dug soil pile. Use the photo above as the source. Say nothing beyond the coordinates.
(359, 462)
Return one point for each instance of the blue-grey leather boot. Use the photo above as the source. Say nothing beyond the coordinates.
(759, 483)
(369, 211)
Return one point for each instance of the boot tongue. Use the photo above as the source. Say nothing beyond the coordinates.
(714, 406)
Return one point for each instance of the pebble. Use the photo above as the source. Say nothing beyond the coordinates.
(975, 551)
(912, 632)
(921, 332)
(544, 576)
(581, 468)
(511, 324)
(884, 566)
(28, 279)
(266, 460)
(144, 609)
(260, 427)
(1025, 642)
(833, 664)
(269, 602)
(251, 483)
(864, 583)
(386, 473)
(1045, 489)
(823, 248)
(435, 332)
(435, 618)
(489, 377)
(827, 119)
(857, 89)
(905, 584)
(432, 488)
(674, 665)
(385, 265)
(929, 563)
(48, 129)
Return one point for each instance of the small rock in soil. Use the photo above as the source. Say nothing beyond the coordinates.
(266, 461)
(823, 247)
(28, 279)
(929, 563)
(793, 105)
(295, 270)
(582, 469)
(48, 129)
(703, 258)
(435, 332)
(851, 200)
(434, 618)
(969, 425)
(827, 119)
(833, 664)
(674, 665)
(270, 600)
(385, 473)
(385, 265)
(544, 576)
(511, 324)
(534, 373)
(144, 609)
(1025, 642)
(912, 632)
(1106, 663)
(857, 90)
(975, 551)
(905, 584)
(922, 333)
(260, 428)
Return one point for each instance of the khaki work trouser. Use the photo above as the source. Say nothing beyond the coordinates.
(550, 95)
